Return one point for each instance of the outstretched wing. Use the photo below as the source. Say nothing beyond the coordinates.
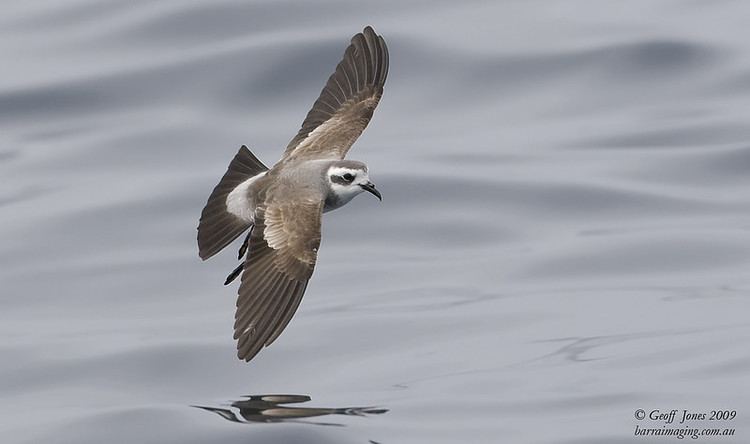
(347, 102)
(280, 260)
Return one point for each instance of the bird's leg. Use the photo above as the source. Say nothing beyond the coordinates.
(233, 275)
(243, 247)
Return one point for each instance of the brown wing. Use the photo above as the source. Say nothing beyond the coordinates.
(280, 260)
(347, 102)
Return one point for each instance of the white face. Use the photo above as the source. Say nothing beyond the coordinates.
(345, 182)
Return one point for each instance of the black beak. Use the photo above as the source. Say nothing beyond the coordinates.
(370, 188)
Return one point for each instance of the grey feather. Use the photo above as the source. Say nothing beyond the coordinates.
(360, 77)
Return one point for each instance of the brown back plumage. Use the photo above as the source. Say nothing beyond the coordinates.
(280, 261)
(346, 103)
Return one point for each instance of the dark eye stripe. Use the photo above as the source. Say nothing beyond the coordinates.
(339, 180)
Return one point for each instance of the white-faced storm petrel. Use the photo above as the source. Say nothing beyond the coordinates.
(283, 206)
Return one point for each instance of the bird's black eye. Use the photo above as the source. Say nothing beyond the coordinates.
(348, 177)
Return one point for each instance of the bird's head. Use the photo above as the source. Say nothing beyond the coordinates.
(348, 178)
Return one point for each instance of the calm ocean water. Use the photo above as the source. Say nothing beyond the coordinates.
(564, 236)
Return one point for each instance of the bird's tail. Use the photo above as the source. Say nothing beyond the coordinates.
(218, 227)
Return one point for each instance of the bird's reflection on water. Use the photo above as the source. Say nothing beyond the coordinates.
(277, 408)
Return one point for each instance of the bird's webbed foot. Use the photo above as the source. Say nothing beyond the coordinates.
(243, 247)
(233, 275)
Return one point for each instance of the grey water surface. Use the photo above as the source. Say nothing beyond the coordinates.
(564, 236)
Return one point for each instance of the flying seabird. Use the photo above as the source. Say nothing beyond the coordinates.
(283, 206)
